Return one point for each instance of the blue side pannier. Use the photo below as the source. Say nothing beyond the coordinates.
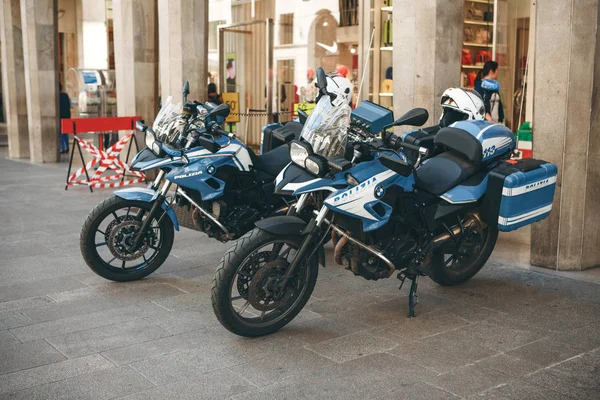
(519, 193)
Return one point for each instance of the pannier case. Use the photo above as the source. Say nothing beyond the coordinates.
(519, 193)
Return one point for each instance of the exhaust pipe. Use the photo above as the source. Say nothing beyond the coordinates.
(472, 222)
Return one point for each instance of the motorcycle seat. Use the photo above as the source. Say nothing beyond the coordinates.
(273, 161)
(443, 172)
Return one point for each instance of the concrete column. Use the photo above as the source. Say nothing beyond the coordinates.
(92, 40)
(566, 123)
(427, 48)
(39, 22)
(183, 40)
(134, 23)
(13, 78)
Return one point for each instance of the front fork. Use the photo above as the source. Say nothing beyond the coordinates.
(156, 207)
(311, 231)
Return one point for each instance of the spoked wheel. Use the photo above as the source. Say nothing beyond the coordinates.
(107, 240)
(453, 265)
(246, 295)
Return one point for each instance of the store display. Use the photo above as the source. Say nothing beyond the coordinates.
(468, 34)
(467, 58)
(474, 13)
(387, 38)
(471, 81)
(484, 36)
(483, 56)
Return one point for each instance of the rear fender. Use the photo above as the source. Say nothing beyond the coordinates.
(148, 196)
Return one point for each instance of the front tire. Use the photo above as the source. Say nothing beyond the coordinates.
(244, 262)
(454, 269)
(99, 240)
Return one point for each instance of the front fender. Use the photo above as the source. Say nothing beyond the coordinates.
(148, 196)
(282, 225)
(288, 225)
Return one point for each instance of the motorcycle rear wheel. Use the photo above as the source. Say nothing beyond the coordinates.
(233, 289)
(451, 269)
(96, 234)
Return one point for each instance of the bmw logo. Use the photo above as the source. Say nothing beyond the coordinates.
(379, 191)
(210, 169)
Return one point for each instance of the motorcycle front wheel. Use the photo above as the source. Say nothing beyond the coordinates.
(245, 296)
(107, 237)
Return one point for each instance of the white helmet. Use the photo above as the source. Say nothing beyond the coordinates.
(461, 104)
(341, 87)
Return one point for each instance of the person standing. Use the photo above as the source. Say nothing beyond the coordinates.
(213, 96)
(64, 106)
(489, 89)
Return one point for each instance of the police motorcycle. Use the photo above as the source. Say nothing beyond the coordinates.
(130, 234)
(437, 216)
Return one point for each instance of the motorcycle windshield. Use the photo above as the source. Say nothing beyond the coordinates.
(326, 129)
(166, 123)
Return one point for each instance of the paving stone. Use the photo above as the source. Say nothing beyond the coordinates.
(156, 347)
(469, 380)
(96, 340)
(181, 321)
(22, 304)
(427, 324)
(545, 352)
(510, 365)
(12, 251)
(584, 338)
(13, 319)
(366, 377)
(52, 372)
(79, 323)
(498, 337)
(520, 390)
(275, 368)
(453, 342)
(7, 339)
(105, 384)
(39, 267)
(322, 329)
(353, 346)
(144, 290)
(216, 385)
(347, 302)
(566, 384)
(419, 391)
(38, 288)
(27, 355)
(66, 309)
(434, 359)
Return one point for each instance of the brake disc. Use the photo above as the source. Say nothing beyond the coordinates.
(121, 240)
(246, 273)
(263, 286)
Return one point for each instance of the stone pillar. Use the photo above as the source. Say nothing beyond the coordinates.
(13, 78)
(566, 123)
(134, 23)
(39, 22)
(92, 40)
(427, 49)
(183, 38)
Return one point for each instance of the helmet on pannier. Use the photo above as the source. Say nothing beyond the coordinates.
(461, 104)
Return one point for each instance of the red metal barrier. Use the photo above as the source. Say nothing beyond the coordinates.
(104, 159)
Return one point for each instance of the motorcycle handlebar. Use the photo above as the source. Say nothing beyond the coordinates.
(219, 131)
(396, 143)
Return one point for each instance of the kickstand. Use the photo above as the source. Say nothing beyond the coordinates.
(413, 298)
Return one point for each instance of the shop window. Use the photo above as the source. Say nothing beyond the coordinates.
(286, 28)
(348, 12)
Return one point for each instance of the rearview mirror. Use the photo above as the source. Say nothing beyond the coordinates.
(321, 78)
(209, 144)
(302, 116)
(222, 110)
(140, 125)
(186, 90)
(415, 117)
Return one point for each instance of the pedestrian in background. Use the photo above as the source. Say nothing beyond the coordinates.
(64, 106)
(489, 89)
(213, 96)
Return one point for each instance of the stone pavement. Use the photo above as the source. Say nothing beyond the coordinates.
(67, 333)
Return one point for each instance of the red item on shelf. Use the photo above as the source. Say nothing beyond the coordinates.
(467, 59)
(471, 78)
(483, 56)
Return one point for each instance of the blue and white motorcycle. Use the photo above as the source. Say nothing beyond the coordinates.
(438, 217)
(130, 235)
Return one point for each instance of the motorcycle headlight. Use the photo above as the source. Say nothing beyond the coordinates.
(152, 143)
(316, 165)
(299, 152)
